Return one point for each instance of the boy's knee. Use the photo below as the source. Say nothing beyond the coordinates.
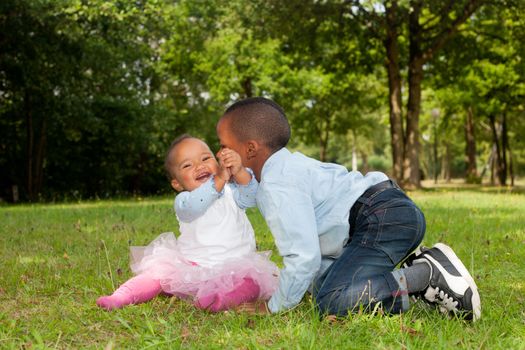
(343, 302)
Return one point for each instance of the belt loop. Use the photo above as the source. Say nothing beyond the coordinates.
(394, 184)
(362, 199)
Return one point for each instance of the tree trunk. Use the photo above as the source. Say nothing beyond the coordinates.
(322, 150)
(36, 139)
(411, 175)
(354, 157)
(506, 144)
(445, 163)
(499, 166)
(470, 148)
(435, 147)
(391, 45)
(140, 166)
(511, 169)
(490, 164)
(39, 158)
(247, 87)
(29, 145)
(365, 167)
(504, 147)
(323, 140)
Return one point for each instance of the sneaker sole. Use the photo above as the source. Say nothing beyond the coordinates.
(476, 302)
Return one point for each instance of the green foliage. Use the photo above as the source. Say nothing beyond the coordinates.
(92, 93)
(481, 72)
(471, 179)
(77, 81)
(379, 163)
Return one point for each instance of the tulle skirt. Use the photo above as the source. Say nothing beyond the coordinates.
(163, 260)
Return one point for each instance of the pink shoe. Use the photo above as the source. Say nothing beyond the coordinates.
(110, 302)
(136, 290)
(244, 292)
(206, 301)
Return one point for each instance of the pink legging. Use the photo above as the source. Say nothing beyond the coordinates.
(142, 288)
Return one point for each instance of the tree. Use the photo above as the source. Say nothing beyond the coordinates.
(482, 70)
(331, 84)
(77, 83)
(425, 28)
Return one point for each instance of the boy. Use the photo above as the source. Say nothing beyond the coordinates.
(341, 234)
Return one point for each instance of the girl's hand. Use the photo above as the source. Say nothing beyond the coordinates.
(224, 172)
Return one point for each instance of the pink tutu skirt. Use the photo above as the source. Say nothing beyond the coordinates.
(163, 260)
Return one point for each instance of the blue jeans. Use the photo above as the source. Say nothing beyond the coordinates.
(389, 226)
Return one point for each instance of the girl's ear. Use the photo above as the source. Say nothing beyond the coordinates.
(177, 185)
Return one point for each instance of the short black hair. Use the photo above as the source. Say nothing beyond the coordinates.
(259, 118)
(167, 160)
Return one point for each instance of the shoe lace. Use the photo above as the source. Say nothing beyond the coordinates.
(446, 302)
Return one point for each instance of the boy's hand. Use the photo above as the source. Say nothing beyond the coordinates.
(231, 160)
(253, 308)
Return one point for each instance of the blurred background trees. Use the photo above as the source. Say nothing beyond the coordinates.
(92, 92)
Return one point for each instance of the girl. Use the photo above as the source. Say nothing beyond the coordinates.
(214, 260)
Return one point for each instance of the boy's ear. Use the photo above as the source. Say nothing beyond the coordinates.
(176, 185)
(252, 148)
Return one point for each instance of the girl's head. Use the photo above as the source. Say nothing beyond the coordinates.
(189, 163)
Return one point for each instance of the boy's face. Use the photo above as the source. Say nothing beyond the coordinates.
(228, 140)
(192, 164)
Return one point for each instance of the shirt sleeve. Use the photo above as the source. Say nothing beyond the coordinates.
(244, 195)
(189, 205)
(290, 215)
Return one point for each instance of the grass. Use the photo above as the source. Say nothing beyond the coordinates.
(58, 258)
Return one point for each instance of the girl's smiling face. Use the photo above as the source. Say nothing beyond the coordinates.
(192, 164)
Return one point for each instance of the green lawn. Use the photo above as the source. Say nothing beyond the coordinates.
(58, 258)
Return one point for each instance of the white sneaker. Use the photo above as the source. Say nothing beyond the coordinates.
(451, 286)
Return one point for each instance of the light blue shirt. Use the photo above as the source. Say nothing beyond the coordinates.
(189, 205)
(306, 204)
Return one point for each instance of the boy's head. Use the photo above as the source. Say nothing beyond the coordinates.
(255, 128)
(189, 163)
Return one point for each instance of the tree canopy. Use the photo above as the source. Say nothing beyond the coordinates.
(92, 92)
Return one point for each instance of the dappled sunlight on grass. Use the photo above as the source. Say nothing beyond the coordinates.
(459, 185)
